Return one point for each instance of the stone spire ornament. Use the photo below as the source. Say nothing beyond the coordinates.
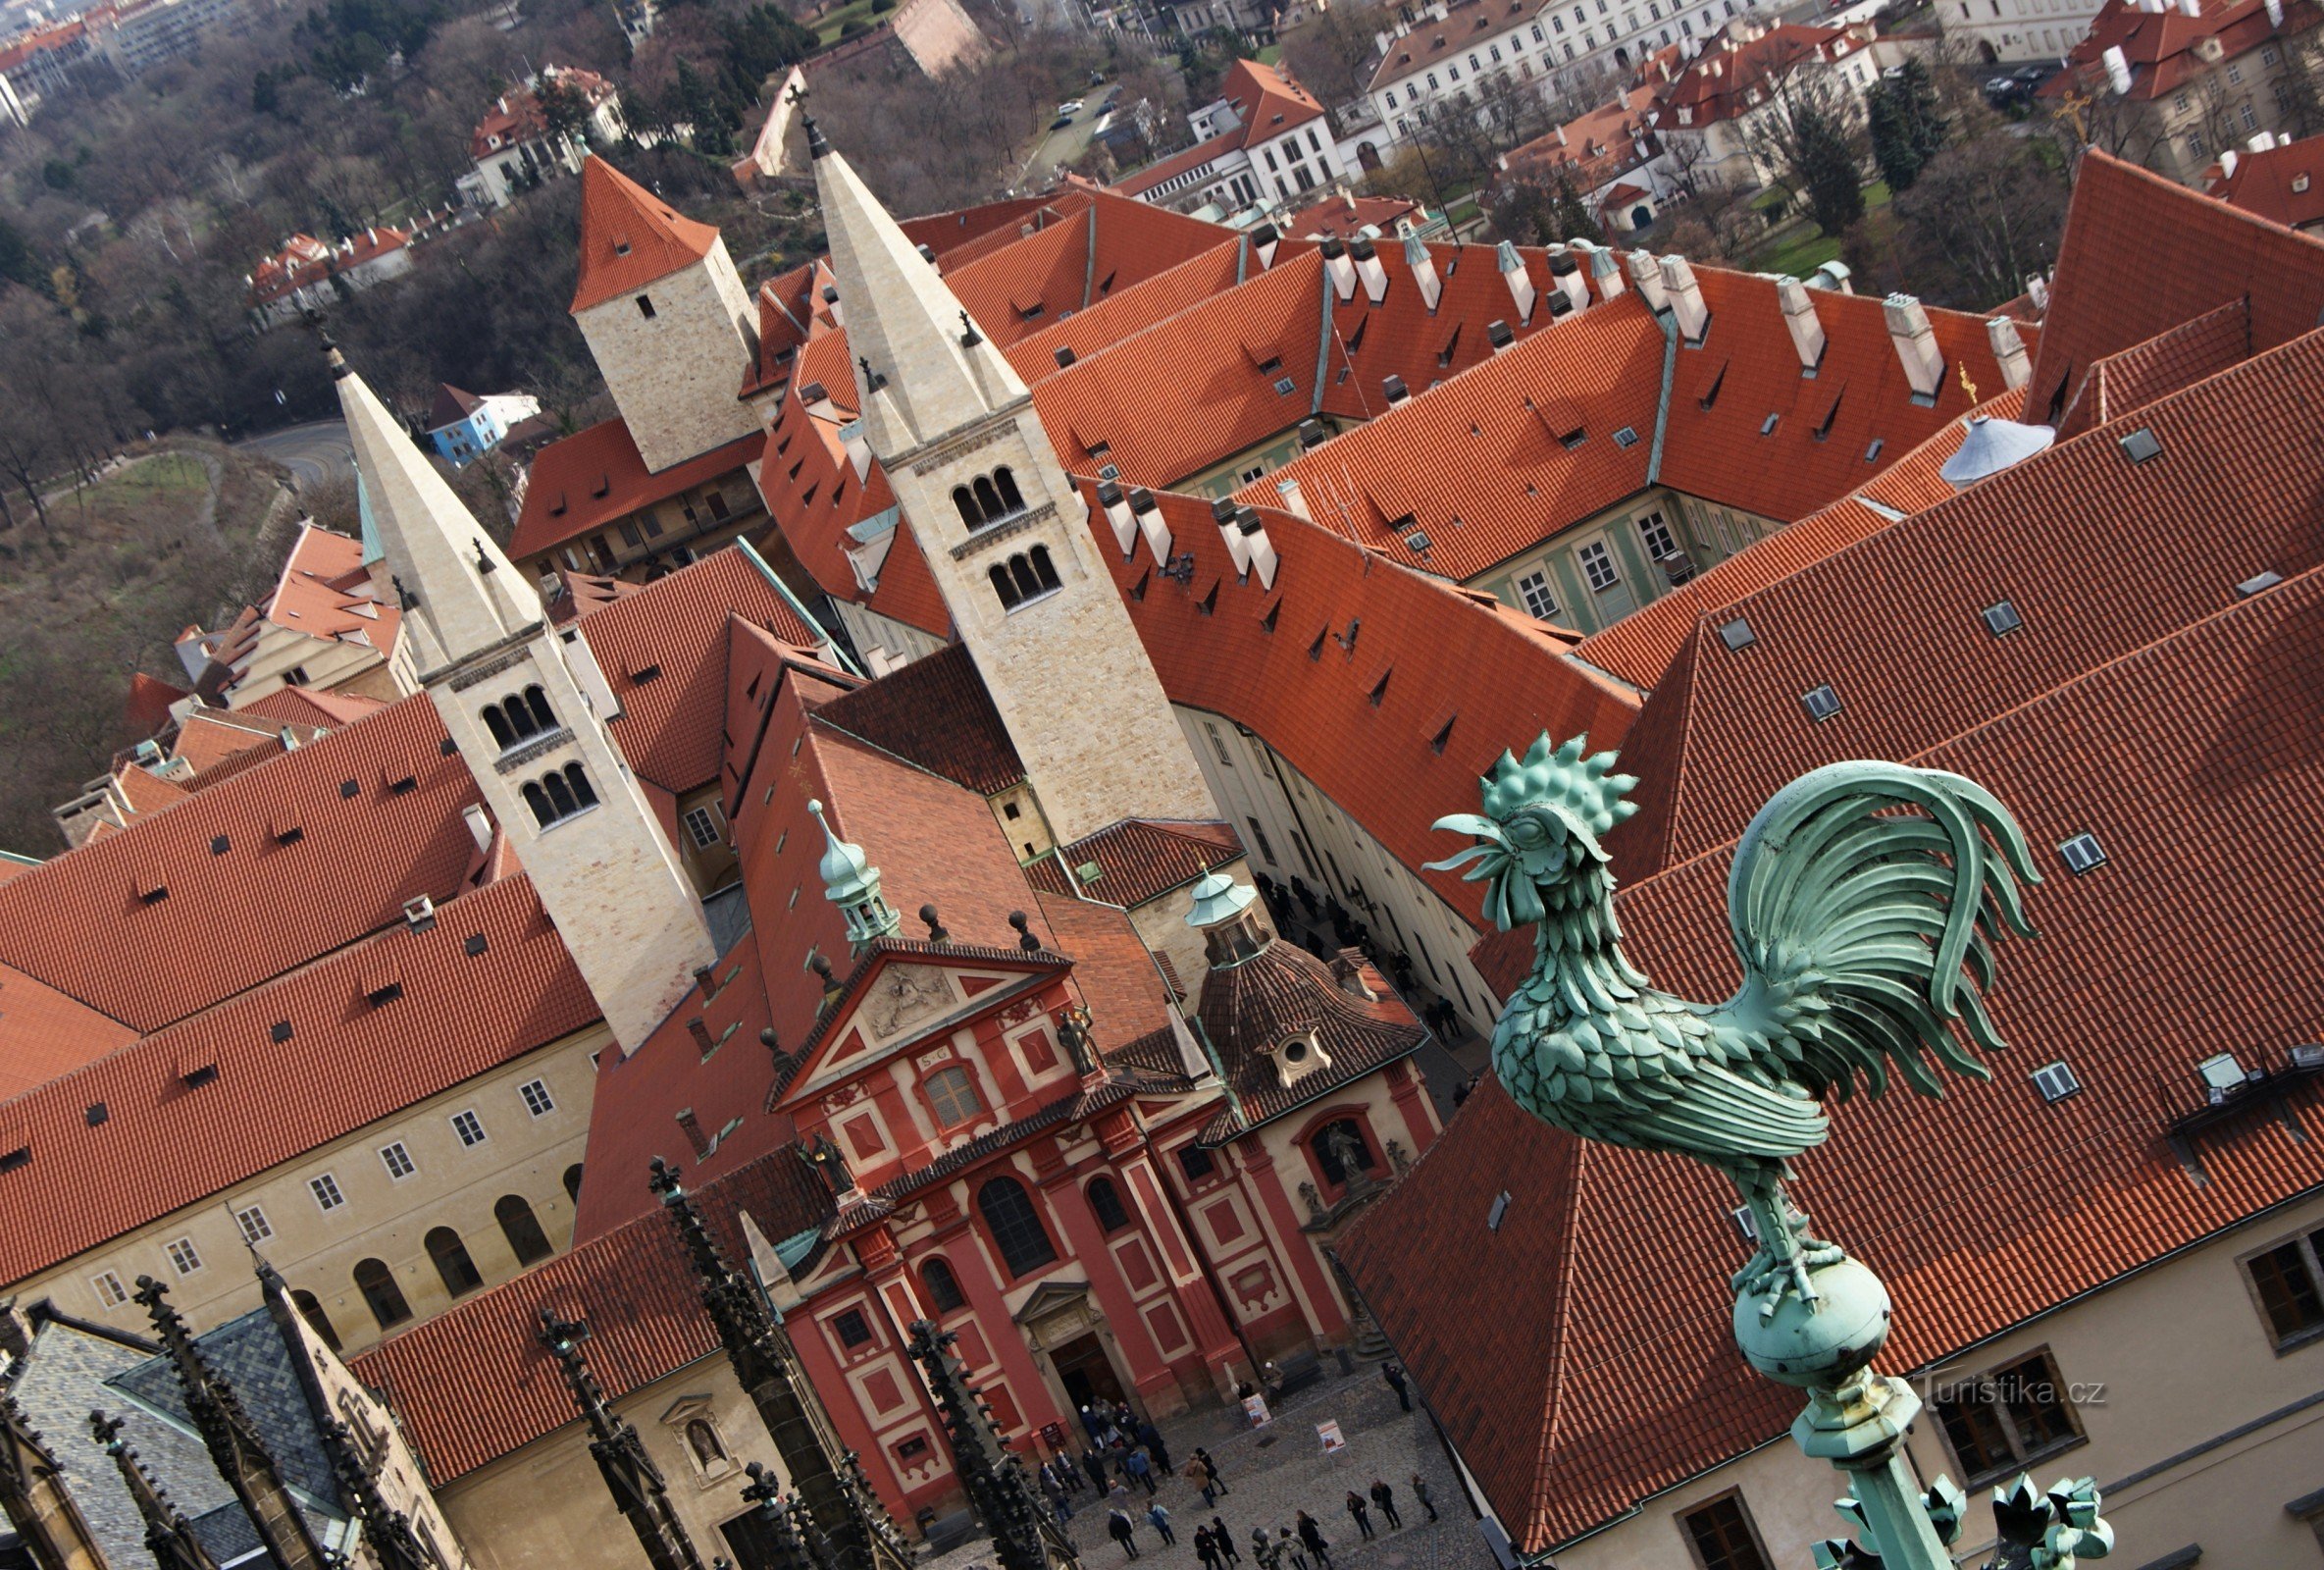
(233, 1441)
(1025, 1536)
(1865, 902)
(862, 1533)
(34, 1500)
(786, 1534)
(630, 1474)
(169, 1535)
(852, 883)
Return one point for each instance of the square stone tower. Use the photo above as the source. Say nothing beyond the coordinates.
(1004, 532)
(549, 772)
(666, 318)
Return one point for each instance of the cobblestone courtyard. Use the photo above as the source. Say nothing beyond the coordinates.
(1280, 1470)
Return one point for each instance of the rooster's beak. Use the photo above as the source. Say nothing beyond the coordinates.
(1486, 830)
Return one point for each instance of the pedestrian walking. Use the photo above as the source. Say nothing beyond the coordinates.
(1206, 1479)
(1393, 1372)
(1204, 1549)
(1160, 1519)
(1384, 1500)
(1420, 1491)
(1264, 1553)
(1296, 1547)
(1118, 1526)
(1356, 1508)
(1118, 1497)
(1151, 1436)
(1141, 1470)
(1313, 1536)
(1217, 1478)
(1226, 1539)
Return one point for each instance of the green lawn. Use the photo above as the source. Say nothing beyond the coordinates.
(829, 24)
(1798, 249)
(1271, 55)
(164, 477)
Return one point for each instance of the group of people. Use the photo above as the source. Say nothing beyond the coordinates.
(1299, 1546)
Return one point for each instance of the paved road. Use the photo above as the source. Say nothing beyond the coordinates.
(312, 453)
(1057, 149)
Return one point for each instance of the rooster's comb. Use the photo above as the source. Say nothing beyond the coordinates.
(1585, 787)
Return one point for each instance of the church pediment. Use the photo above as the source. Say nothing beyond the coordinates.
(901, 1002)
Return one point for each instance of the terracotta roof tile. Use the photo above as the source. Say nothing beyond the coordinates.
(2126, 380)
(148, 707)
(1152, 299)
(2279, 183)
(629, 237)
(165, 1145)
(1249, 1008)
(1430, 41)
(936, 715)
(43, 1032)
(305, 706)
(1136, 860)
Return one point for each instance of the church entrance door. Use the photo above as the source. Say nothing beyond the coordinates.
(1085, 1372)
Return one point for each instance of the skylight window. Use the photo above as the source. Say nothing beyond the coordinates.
(1821, 703)
(2083, 853)
(1284, 385)
(2055, 1081)
(1767, 427)
(1737, 634)
(1626, 437)
(2141, 445)
(1500, 1210)
(2001, 618)
(2258, 584)
(1872, 453)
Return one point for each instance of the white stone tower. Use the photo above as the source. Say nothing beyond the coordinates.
(550, 773)
(1002, 532)
(666, 317)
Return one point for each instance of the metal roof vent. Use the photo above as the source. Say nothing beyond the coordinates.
(1500, 1209)
(2055, 1081)
(2083, 853)
(1737, 634)
(2141, 445)
(1626, 437)
(2258, 584)
(2001, 618)
(1821, 703)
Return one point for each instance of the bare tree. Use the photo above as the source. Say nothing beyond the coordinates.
(1332, 53)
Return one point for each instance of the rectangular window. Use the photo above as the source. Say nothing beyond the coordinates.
(1197, 1163)
(852, 1330)
(2249, 116)
(2267, 56)
(325, 1192)
(2289, 1281)
(184, 1259)
(1597, 565)
(255, 1226)
(1218, 743)
(536, 1097)
(2235, 72)
(468, 1127)
(399, 1161)
(1533, 588)
(109, 1289)
(2007, 1419)
(701, 826)
(1266, 852)
(1656, 536)
(646, 307)
(1722, 1537)
(1305, 860)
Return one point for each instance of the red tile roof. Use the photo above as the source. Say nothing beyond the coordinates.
(1249, 1008)
(165, 1145)
(43, 1032)
(94, 922)
(1136, 860)
(516, 115)
(1112, 245)
(2129, 552)
(936, 715)
(947, 233)
(594, 477)
(305, 706)
(2279, 183)
(147, 705)
(1731, 77)
(629, 237)
(474, 1384)
(1434, 687)
(1157, 299)
(1577, 1403)
(1641, 646)
(2126, 380)
(1594, 148)
(1464, 26)
(2142, 256)
(1347, 217)
(304, 260)
(2163, 49)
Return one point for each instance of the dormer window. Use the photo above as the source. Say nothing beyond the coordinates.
(1232, 942)
(1297, 1056)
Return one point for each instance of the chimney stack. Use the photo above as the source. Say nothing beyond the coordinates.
(1311, 435)
(852, 437)
(1258, 552)
(1394, 390)
(2227, 161)
(1498, 335)
(1648, 278)
(1687, 299)
(831, 300)
(1799, 315)
(2265, 141)
(1147, 512)
(1424, 271)
(1521, 282)
(1603, 268)
(1116, 507)
(1295, 502)
(2010, 350)
(1916, 346)
(1565, 275)
(2037, 291)
(1263, 239)
(480, 827)
(2275, 15)
(1228, 515)
(1367, 257)
(1341, 271)
(2118, 70)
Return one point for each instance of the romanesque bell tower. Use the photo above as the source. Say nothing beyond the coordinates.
(554, 781)
(1002, 532)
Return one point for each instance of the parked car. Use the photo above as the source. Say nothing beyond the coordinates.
(1069, 108)
(2031, 78)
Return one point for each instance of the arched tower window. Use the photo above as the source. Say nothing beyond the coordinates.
(1005, 484)
(452, 1263)
(537, 799)
(537, 700)
(988, 499)
(310, 1309)
(943, 1286)
(1017, 1227)
(578, 777)
(559, 795)
(520, 719)
(966, 500)
(1005, 586)
(522, 1229)
(1104, 1203)
(573, 1182)
(377, 1282)
(497, 723)
(1045, 572)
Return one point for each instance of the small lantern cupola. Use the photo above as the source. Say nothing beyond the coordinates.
(852, 883)
(1222, 914)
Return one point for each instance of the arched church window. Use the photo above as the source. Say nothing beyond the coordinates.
(522, 1229)
(1005, 484)
(1028, 582)
(310, 1309)
(578, 777)
(560, 796)
(1006, 587)
(543, 812)
(1017, 1227)
(1104, 1203)
(452, 1263)
(377, 1282)
(520, 719)
(1045, 572)
(497, 723)
(988, 499)
(966, 500)
(538, 701)
(943, 1287)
